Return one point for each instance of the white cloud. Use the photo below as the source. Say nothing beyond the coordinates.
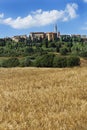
(85, 0)
(1, 15)
(71, 10)
(43, 18)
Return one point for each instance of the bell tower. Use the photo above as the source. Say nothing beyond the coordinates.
(55, 28)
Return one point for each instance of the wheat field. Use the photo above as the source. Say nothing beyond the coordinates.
(43, 99)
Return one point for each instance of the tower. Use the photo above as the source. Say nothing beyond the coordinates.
(55, 28)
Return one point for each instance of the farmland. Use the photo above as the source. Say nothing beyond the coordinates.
(43, 98)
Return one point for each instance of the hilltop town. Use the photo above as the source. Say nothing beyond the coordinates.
(42, 35)
(50, 36)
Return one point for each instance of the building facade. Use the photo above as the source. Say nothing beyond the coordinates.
(49, 35)
(37, 35)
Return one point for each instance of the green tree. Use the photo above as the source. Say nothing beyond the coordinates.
(45, 42)
(52, 44)
(2, 42)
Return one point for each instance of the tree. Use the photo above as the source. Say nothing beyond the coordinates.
(57, 49)
(2, 42)
(52, 44)
(22, 40)
(1, 51)
(45, 42)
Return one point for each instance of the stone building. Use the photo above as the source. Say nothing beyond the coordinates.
(51, 36)
(17, 38)
(37, 35)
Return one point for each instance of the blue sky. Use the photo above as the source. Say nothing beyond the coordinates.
(24, 16)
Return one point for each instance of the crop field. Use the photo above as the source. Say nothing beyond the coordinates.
(43, 98)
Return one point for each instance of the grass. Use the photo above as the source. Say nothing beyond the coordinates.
(43, 99)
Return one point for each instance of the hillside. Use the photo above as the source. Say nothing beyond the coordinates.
(43, 99)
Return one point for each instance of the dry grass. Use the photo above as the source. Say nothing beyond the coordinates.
(43, 99)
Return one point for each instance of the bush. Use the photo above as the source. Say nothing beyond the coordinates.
(73, 61)
(51, 60)
(29, 50)
(63, 51)
(83, 54)
(11, 62)
(45, 61)
(60, 62)
(52, 44)
(25, 62)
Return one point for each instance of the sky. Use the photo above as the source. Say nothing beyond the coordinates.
(20, 17)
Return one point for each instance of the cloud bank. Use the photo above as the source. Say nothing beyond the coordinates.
(41, 18)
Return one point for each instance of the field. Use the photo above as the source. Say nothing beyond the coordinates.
(43, 99)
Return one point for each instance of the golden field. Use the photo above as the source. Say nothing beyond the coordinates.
(43, 99)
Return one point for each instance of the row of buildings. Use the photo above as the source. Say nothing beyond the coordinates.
(49, 35)
(37, 35)
(40, 35)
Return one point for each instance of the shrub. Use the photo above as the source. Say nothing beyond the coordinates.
(51, 60)
(29, 50)
(83, 54)
(45, 61)
(73, 61)
(60, 62)
(26, 62)
(11, 62)
(63, 51)
(52, 44)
